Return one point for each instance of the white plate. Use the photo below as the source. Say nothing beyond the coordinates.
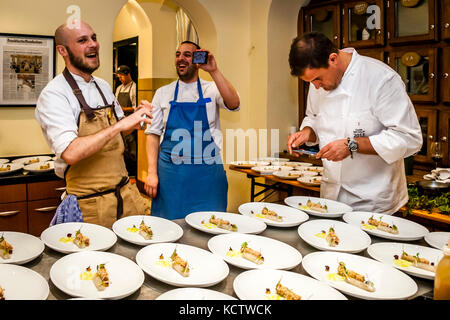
(389, 282)
(101, 238)
(125, 276)
(385, 252)
(163, 230)
(21, 283)
(252, 285)
(2, 161)
(270, 169)
(26, 160)
(194, 294)
(407, 230)
(25, 247)
(206, 269)
(249, 164)
(277, 254)
(243, 223)
(293, 174)
(13, 168)
(36, 167)
(298, 164)
(351, 239)
(315, 169)
(437, 239)
(313, 181)
(335, 208)
(272, 159)
(291, 217)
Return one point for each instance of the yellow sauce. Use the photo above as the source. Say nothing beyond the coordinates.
(321, 235)
(87, 275)
(234, 253)
(259, 215)
(274, 296)
(368, 226)
(209, 225)
(164, 263)
(133, 230)
(66, 240)
(335, 277)
(402, 263)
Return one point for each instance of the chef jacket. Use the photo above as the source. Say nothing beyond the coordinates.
(58, 110)
(188, 93)
(371, 101)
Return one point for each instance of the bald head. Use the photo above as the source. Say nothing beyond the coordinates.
(65, 31)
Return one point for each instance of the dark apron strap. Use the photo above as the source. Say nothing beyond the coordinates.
(77, 92)
(116, 191)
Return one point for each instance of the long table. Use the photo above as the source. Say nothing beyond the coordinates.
(277, 184)
(152, 288)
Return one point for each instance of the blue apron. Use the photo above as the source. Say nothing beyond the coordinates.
(190, 170)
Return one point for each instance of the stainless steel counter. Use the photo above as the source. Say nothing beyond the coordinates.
(152, 288)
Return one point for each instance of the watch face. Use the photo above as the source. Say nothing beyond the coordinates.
(353, 146)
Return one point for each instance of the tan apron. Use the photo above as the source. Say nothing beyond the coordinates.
(101, 181)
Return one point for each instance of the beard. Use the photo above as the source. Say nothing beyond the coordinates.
(81, 65)
(189, 74)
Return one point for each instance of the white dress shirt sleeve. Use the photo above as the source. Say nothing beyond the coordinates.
(394, 109)
(157, 125)
(57, 120)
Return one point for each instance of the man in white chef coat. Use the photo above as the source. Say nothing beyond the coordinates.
(359, 113)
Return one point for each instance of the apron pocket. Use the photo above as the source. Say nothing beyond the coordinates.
(89, 209)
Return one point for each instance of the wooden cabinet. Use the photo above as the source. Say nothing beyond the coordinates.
(445, 75)
(411, 21)
(29, 207)
(363, 24)
(427, 117)
(444, 135)
(375, 53)
(418, 68)
(325, 19)
(445, 19)
(13, 208)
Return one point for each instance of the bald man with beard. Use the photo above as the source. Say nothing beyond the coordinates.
(83, 124)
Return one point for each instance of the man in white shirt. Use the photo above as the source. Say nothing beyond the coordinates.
(82, 123)
(187, 174)
(359, 113)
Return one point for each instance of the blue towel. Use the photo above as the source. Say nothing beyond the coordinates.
(68, 211)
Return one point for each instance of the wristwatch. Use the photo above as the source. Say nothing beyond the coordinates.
(352, 146)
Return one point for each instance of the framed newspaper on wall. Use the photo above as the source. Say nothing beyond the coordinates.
(27, 65)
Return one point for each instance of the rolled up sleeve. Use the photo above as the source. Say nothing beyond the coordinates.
(402, 136)
(157, 125)
(59, 127)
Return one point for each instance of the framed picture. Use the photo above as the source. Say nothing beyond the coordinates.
(27, 65)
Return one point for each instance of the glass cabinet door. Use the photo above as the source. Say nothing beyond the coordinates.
(417, 67)
(363, 24)
(427, 117)
(445, 20)
(412, 21)
(326, 20)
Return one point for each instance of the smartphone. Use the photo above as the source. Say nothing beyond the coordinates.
(200, 57)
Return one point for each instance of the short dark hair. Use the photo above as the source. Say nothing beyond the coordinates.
(195, 44)
(311, 50)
